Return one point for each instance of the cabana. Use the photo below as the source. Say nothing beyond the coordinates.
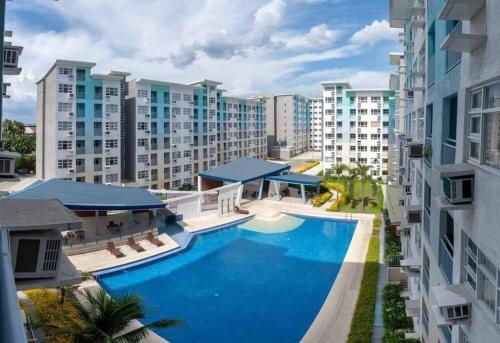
(301, 180)
(88, 198)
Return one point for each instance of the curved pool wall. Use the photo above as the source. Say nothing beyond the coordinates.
(236, 285)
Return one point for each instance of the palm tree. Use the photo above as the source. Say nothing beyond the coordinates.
(106, 319)
(338, 171)
(362, 171)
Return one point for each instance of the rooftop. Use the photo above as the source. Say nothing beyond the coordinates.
(296, 178)
(244, 170)
(21, 214)
(90, 197)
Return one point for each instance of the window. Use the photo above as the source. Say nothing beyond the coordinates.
(64, 126)
(111, 108)
(142, 126)
(111, 161)
(142, 142)
(142, 174)
(483, 125)
(186, 111)
(187, 167)
(111, 125)
(65, 71)
(142, 158)
(111, 178)
(64, 107)
(111, 91)
(112, 143)
(64, 164)
(64, 145)
(186, 97)
(65, 88)
(142, 93)
(176, 96)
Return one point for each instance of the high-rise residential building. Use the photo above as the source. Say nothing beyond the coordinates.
(356, 124)
(79, 120)
(288, 125)
(450, 168)
(176, 130)
(145, 133)
(316, 123)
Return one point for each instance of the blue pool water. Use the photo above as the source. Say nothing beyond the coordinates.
(234, 285)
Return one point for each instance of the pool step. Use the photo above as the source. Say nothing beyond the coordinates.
(182, 238)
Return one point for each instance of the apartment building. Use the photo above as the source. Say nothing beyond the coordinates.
(288, 125)
(450, 168)
(316, 123)
(356, 124)
(79, 121)
(176, 130)
(145, 133)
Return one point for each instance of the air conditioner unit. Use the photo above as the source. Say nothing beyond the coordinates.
(401, 202)
(108, 114)
(456, 313)
(402, 170)
(414, 214)
(146, 179)
(70, 152)
(404, 231)
(147, 115)
(147, 132)
(108, 97)
(107, 132)
(107, 151)
(146, 164)
(107, 167)
(70, 76)
(71, 171)
(174, 161)
(71, 95)
(459, 190)
(71, 114)
(69, 133)
(415, 150)
(174, 146)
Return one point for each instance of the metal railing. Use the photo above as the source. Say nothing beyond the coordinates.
(446, 258)
(447, 153)
(394, 260)
(431, 70)
(427, 223)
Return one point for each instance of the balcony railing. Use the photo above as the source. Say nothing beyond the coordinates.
(431, 72)
(427, 223)
(447, 153)
(446, 258)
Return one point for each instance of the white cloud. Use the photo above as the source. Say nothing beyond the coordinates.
(375, 32)
(318, 37)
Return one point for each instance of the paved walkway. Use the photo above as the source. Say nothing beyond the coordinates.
(314, 170)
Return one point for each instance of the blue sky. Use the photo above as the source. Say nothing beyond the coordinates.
(253, 47)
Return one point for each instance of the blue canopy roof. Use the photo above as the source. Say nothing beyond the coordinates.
(89, 196)
(244, 170)
(297, 179)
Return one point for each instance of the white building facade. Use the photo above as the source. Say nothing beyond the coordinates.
(449, 167)
(316, 123)
(356, 126)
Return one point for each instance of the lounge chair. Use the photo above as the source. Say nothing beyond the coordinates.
(134, 245)
(240, 211)
(114, 250)
(153, 240)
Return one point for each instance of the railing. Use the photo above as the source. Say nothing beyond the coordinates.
(11, 326)
(447, 153)
(425, 279)
(446, 258)
(427, 223)
(446, 330)
(394, 260)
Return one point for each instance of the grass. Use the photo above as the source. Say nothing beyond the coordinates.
(306, 167)
(362, 322)
(57, 321)
(374, 199)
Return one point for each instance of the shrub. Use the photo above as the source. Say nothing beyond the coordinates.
(392, 244)
(321, 199)
(57, 321)
(393, 309)
(362, 322)
(307, 167)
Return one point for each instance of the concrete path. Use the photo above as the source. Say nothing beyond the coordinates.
(31, 309)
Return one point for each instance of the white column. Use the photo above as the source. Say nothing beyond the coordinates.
(303, 193)
(277, 190)
(199, 183)
(261, 188)
(240, 194)
(96, 223)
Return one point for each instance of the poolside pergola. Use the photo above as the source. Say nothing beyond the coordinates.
(92, 198)
(301, 180)
(246, 170)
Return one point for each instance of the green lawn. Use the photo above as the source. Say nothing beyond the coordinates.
(376, 199)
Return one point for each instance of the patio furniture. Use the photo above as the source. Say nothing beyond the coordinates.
(134, 245)
(114, 228)
(114, 250)
(240, 211)
(154, 240)
(80, 234)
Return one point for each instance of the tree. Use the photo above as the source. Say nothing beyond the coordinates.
(338, 171)
(351, 175)
(186, 187)
(106, 319)
(16, 139)
(362, 171)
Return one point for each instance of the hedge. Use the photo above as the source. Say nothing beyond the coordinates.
(364, 314)
(307, 167)
(321, 199)
(396, 323)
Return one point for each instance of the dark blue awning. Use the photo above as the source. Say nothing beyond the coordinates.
(296, 179)
(244, 170)
(90, 197)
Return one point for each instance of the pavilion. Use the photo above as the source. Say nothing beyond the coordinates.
(86, 199)
(246, 170)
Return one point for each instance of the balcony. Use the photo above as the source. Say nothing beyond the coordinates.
(417, 22)
(399, 12)
(447, 153)
(412, 308)
(418, 8)
(460, 9)
(446, 258)
(459, 41)
(10, 59)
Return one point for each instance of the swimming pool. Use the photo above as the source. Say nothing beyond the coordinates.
(238, 285)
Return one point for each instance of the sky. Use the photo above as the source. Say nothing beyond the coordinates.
(252, 46)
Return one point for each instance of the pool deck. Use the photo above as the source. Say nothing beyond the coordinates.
(332, 323)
